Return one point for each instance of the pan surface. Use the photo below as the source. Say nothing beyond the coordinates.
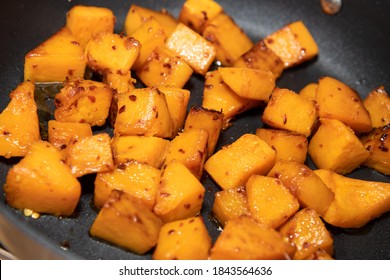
(353, 47)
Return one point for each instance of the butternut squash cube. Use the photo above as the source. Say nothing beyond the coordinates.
(190, 148)
(180, 193)
(42, 182)
(288, 145)
(262, 58)
(336, 100)
(271, 212)
(19, 123)
(356, 201)
(210, 120)
(126, 222)
(186, 239)
(309, 91)
(140, 180)
(245, 239)
(83, 101)
(143, 112)
(229, 39)
(230, 204)
(163, 68)
(335, 146)
(377, 104)
(145, 149)
(120, 83)
(192, 48)
(304, 184)
(377, 143)
(87, 21)
(91, 154)
(249, 83)
(293, 43)
(319, 254)
(232, 165)
(307, 233)
(57, 58)
(290, 111)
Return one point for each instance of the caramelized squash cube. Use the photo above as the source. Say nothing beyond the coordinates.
(120, 83)
(377, 104)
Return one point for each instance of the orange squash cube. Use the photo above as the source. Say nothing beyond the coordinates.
(309, 91)
(377, 104)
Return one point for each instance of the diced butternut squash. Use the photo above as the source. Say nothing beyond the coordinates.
(290, 111)
(262, 58)
(19, 124)
(180, 193)
(145, 149)
(127, 222)
(319, 254)
(57, 58)
(307, 233)
(249, 83)
(192, 48)
(140, 180)
(356, 201)
(120, 83)
(293, 43)
(288, 145)
(84, 101)
(143, 112)
(90, 155)
(377, 104)
(304, 184)
(232, 166)
(245, 239)
(186, 239)
(271, 212)
(336, 147)
(309, 91)
(87, 21)
(42, 182)
(229, 39)
(337, 100)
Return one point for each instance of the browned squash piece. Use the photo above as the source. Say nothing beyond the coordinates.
(164, 68)
(146, 149)
(143, 112)
(249, 83)
(229, 39)
(180, 194)
(335, 146)
(186, 239)
(271, 212)
(42, 182)
(192, 48)
(83, 101)
(245, 239)
(232, 165)
(230, 204)
(377, 104)
(377, 143)
(210, 120)
(137, 15)
(57, 58)
(290, 111)
(303, 183)
(262, 58)
(127, 222)
(19, 124)
(336, 100)
(91, 154)
(120, 83)
(288, 145)
(220, 97)
(190, 148)
(87, 21)
(293, 43)
(140, 180)
(309, 91)
(307, 233)
(197, 13)
(356, 201)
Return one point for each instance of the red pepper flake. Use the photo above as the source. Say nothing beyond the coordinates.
(132, 97)
(92, 98)
(122, 109)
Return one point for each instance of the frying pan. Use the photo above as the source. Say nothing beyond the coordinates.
(354, 47)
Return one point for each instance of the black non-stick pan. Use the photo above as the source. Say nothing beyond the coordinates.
(354, 48)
